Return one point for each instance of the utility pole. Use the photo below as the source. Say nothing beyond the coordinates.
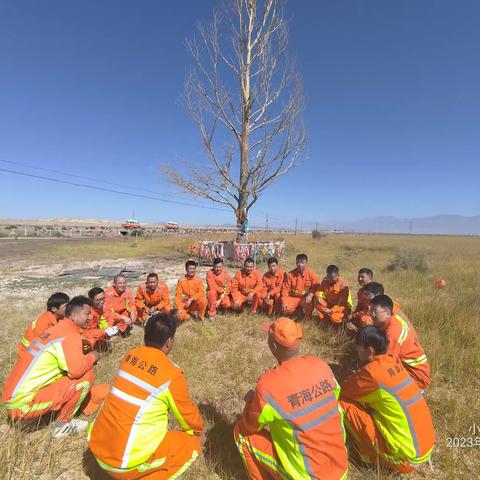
(316, 226)
(296, 225)
(266, 221)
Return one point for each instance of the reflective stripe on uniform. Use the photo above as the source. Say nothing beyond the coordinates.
(36, 355)
(305, 426)
(261, 457)
(404, 404)
(126, 397)
(138, 417)
(413, 362)
(136, 381)
(349, 300)
(405, 329)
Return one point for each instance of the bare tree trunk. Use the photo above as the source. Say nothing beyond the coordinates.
(246, 46)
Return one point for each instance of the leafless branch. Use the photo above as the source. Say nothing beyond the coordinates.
(246, 100)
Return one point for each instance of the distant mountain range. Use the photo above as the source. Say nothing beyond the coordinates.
(439, 224)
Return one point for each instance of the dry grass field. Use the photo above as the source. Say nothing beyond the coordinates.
(223, 358)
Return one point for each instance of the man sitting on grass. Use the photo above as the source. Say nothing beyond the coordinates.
(152, 297)
(299, 285)
(247, 287)
(402, 339)
(291, 426)
(55, 311)
(333, 301)
(385, 412)
(96, 331)
(363, 317)
(53, 375)
(119, 308)
(360, 317)
(190, 297)
(272, 281)
(130, 437)
(219, 285)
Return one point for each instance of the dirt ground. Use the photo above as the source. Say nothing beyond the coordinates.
(14, 249)
(19, 273)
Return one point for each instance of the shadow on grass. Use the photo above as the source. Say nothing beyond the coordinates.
(346, 362)
(220, 449)
(91, 468)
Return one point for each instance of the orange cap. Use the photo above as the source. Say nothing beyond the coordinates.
(284, 331)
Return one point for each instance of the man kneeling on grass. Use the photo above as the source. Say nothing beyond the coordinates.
(385, 412)
(53, 375)
(130, 437)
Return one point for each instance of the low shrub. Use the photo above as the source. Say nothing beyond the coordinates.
(409, 260)
(318, 234)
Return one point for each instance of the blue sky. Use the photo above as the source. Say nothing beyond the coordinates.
(94, 89)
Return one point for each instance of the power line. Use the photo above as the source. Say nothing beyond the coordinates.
(110, 190)
(82, 177)
(149, 197)
(106, 182)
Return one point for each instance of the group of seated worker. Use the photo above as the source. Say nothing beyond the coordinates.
(295, 422)
(297, 293)
(292, 425)
(277, 292)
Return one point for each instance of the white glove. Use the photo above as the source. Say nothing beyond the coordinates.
(112, 331)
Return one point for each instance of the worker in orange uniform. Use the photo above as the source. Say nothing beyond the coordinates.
(363, 317)
(298, 289)
(272, 282)
(53, 375)
(247, 287)
(97, 296)
(291, 426)
(55, 311)
(385, 411)
(152, 297)
(190, 294)
(358, 318)
(219, 285)
(402, 339)
(130, 437)
(119, 309)
(333, 300)
(95, 332)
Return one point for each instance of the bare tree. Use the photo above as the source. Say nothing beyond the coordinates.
(246, 99)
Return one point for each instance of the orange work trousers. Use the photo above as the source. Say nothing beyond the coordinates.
(198, 306)
(368, 440)
(213, 298)
(179, 449)
(338, 315)
(93, 336)
(143, 316)
(240, 302)
(64, 396)
(361, 319)
(259, 456)
(272, 306)
(291, 304)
